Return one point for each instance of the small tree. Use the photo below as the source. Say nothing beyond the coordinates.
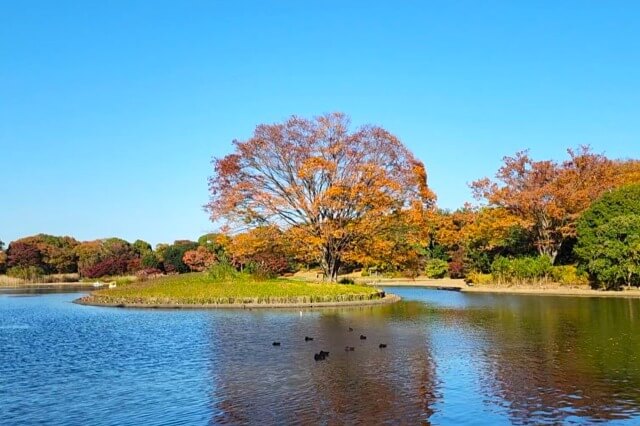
(199, 259)
(174, 254)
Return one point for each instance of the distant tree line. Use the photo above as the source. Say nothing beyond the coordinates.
(260, 251)
(311, 194)
(35, 256)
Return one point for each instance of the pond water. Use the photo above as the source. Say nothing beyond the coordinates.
(451, 358)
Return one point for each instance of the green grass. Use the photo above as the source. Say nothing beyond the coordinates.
(200, 288)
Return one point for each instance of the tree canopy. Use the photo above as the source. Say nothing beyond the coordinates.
(546, 196)
(609, 238)
(332, 184)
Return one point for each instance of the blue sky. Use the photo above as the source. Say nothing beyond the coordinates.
(110, 112)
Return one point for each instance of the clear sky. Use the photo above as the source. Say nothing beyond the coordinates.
(110, 111)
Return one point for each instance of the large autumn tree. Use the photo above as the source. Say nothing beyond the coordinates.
(333, 185)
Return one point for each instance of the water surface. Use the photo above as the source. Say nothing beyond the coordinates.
(451, 358)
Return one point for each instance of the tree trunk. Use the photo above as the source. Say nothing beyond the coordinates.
(548, 251)
(330, 264)
(546, 244)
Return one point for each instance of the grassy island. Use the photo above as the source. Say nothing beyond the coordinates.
(242, 289)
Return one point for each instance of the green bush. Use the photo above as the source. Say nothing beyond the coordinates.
(174, 254)
(222, 271)
(260, 271)
(346, 280)
(522, 269)
(436, 268)
(150, 260)
(608, 245)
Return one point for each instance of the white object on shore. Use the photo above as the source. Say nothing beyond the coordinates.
(112, 284)
(97, 284)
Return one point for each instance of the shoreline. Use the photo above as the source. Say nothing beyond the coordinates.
(436, 284)
(462, 287)
(569, 292)
(387, 299)
(77, 284)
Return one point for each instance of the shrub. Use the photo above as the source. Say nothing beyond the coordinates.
(346, 280)
(173, 256)
(258, 271)
(120, 281)
(479, 278)
(222, 271)
(145, 274)
(27, 273)
(134, 265)
(150, 261)
(436, 268)
(199, 259)
(412, 273)
(569, 275)
(520, 270)
(267, 265)
(59, 278)
(365, 272)
(3, 261)
(110, 266)
(457, 268)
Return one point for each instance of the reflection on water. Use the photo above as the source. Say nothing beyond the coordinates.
(45, 289)
(350, 386)
(451, 358)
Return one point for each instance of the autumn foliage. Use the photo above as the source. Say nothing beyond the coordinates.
(199, 259)
(334, 185)
(548, 197)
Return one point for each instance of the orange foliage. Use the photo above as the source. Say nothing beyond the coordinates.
(548, 197)
(265, 246)
(333, 186)
(627, 172)
(486, 228)
(396, 246)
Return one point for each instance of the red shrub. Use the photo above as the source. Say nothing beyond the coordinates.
(111, 266)
(457, 264)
